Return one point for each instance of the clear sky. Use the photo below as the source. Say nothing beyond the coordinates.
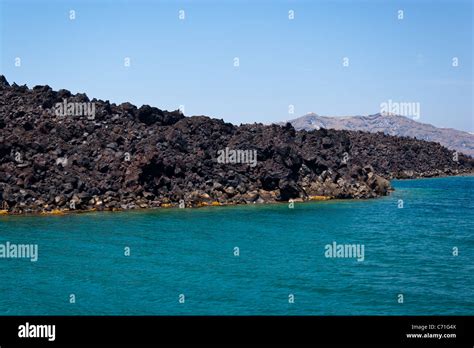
(283, 62)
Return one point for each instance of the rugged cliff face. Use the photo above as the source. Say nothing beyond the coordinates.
(65, 152)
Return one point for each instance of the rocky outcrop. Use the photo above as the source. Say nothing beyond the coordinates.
(55, 155)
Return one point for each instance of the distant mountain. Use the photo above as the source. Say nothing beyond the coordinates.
(392, 125)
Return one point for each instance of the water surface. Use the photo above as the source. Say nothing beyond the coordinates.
(408, 251)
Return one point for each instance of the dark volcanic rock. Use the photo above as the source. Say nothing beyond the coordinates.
(126, 157)
(3, 81)
(151, 115)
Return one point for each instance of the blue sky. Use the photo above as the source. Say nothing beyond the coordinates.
(283, 62)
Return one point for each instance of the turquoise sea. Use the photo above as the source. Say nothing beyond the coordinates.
(407, 251)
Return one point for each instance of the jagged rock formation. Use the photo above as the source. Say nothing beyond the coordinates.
(55, 157)
(392, 125)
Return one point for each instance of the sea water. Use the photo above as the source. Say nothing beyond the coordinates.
(418, 258)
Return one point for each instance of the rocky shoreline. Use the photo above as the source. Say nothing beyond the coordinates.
(66, 153)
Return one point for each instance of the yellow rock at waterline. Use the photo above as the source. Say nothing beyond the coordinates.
(52, 212)
(56, 212)
(215, 203)
(319, 198)
(202, 204)
(166, 205)
(3, 212)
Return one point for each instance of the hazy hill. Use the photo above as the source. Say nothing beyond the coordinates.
(392, 125)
